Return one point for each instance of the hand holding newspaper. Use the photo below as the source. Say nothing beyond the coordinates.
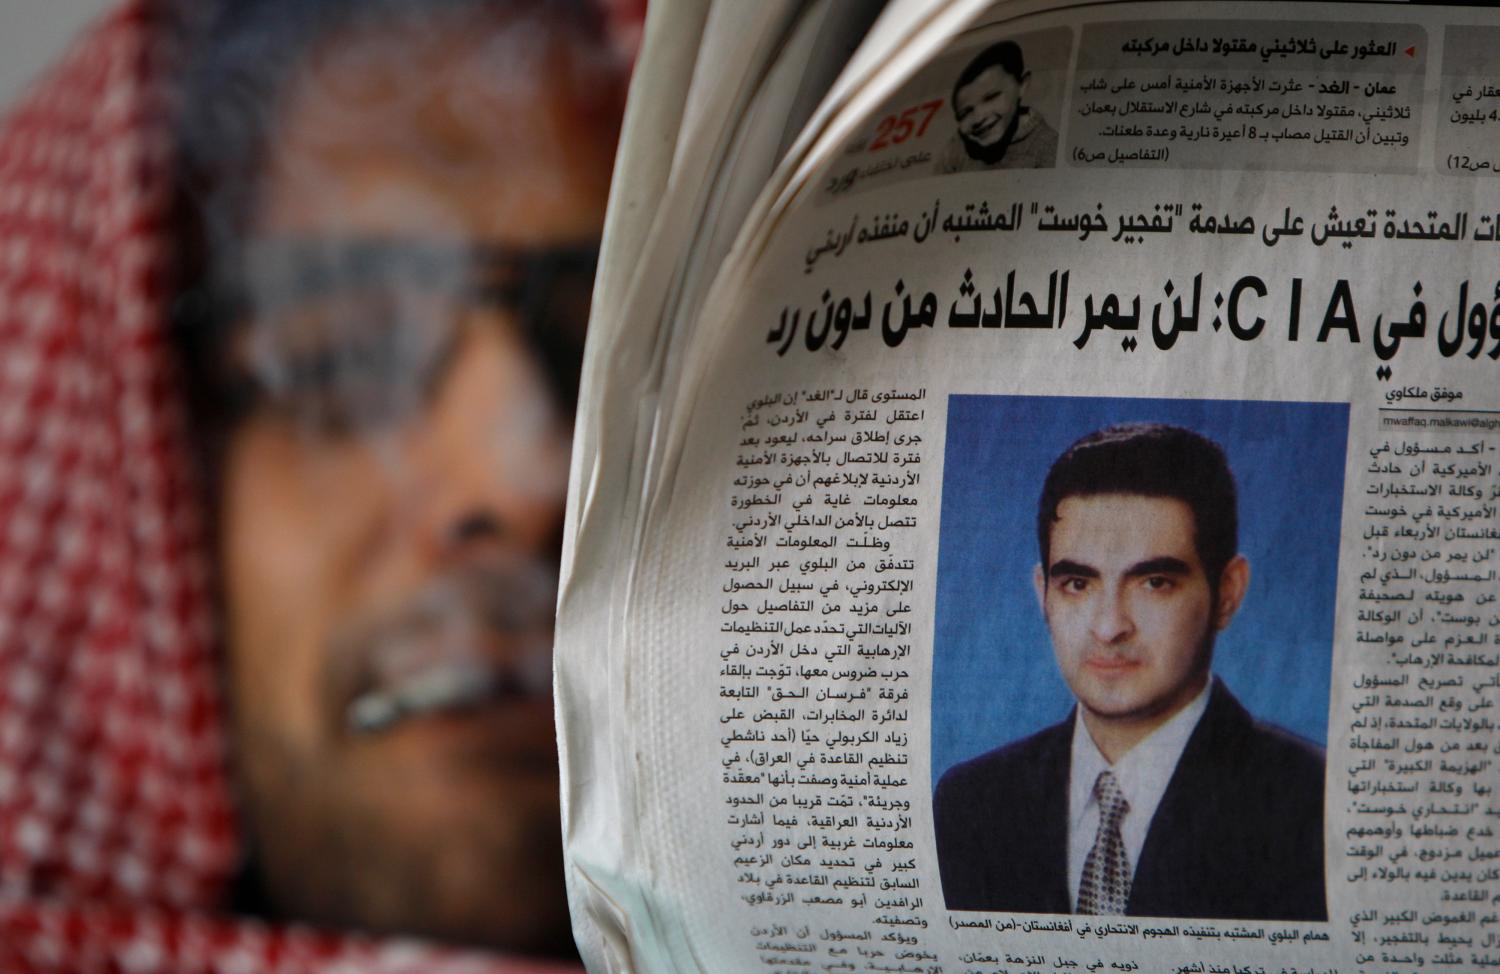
(1035, 494)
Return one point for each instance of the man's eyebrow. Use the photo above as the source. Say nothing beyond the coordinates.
(1163, 565)
(1072, 569)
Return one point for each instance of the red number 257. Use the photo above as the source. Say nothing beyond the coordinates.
(895, 129)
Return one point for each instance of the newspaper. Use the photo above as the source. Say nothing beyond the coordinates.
(1035, 496)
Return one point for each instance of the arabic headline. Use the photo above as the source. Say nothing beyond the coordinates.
(1273, 46)
(1464, 320)
(1164, 220)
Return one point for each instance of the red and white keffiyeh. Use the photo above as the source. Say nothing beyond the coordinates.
(117, 834)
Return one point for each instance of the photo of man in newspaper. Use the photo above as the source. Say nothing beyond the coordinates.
(996, 129)
(1159, 794)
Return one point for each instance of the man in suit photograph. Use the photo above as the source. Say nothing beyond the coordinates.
(1159, 795)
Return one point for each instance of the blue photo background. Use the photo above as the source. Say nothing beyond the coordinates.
(994, 678)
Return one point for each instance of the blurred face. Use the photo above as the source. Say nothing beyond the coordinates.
(1130, 610)
(390, 512)
(985, 107)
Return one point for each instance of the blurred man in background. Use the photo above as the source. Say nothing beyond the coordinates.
(386, 219)
(401, 285)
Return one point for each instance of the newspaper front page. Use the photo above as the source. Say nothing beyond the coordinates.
(1075, 543)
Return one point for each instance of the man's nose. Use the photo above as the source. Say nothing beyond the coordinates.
(477, 503)
(477, 526)
(1111, 621)
(489, 474)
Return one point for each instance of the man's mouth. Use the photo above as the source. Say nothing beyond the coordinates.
(1111, 664)
(448, 687)
(477, 639)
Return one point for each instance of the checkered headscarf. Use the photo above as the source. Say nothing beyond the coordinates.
(117, 833)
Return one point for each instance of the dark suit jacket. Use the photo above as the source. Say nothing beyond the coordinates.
(1238, 834)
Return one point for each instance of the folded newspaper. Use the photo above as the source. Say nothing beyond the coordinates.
(1035, 494)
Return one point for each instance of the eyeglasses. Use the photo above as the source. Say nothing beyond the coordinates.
(340, 336)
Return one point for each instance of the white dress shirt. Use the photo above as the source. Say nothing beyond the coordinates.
(1142, 773)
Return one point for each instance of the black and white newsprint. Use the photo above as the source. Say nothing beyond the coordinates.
(1036, 498)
